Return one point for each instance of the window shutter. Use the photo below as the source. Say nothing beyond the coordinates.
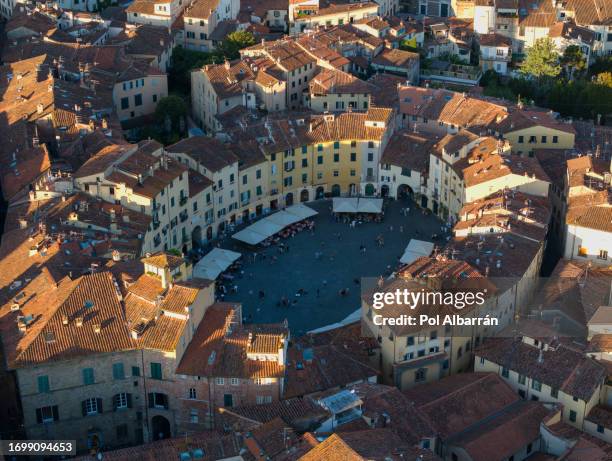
(151, 400)
(84, 408)
(99, 403)
(39, 415)
(165, 400)
(55, 410)
(129, 400)
(115, 401)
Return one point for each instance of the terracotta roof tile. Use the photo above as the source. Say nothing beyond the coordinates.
(564, 369)
(338, 82)
(330, 359)
(164, 260)
(295, 412)
(219, 348)
(409, 150)
(210, 152)
(89, 320)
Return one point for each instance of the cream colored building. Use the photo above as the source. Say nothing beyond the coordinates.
(539, 370)
(405, 165)
(143, 178)
(418, 354)
(139, 96)
(217, 89)
(293, 66)
(307, 15)
(249, 83)
(533, 128)
(337, 91)
(202, 17)
(219, 164)
(155, 12)
(464, 167)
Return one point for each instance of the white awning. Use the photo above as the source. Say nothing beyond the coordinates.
(415, 250)
(266, 227)
(301, 211)
(273, 224)
(250, 236)
(345, 204)
(283, 218)
(370, 205)
(357, 205)
(214, 263)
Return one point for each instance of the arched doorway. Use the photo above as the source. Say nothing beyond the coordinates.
(369, 189)
(335, 190)
(320, 193)
(384, 191)
(160, 427)
(196, 237)
(304, 196)
(209, 233)
(404, 191)
(289, 199)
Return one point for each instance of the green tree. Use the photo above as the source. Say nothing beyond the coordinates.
(597, 100)
(573, 61)
(183, 62)
(170, 113)
(236, 41)
(542, 60)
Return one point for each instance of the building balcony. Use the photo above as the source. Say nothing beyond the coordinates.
(183, 201)
(452, 73)
(184, 216)
(496, 57)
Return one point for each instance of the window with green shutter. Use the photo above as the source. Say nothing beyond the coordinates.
(118, 372)
(156, 370)
(135, 371)
(43, 384)
(88, 376)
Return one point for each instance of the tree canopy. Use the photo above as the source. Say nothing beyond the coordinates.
(234, 42)
(542, 60)
(170, 111)
(573, 61)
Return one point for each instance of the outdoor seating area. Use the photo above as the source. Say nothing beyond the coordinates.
(217, 263)
(313, 278)
(358, 210)
(282, 224)
(357, 205)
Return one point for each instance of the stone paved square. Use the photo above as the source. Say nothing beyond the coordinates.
(340, 264)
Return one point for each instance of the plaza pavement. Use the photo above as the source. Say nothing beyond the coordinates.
(337, 268)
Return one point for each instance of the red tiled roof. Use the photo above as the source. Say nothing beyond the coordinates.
(457, 402)
(564, 368)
